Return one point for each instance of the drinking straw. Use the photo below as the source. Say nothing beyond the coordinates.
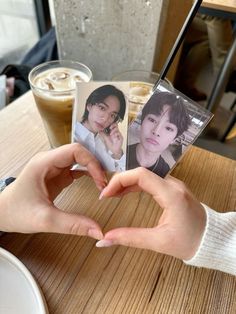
(178, 42)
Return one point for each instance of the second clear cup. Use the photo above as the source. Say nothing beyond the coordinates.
(141, 85)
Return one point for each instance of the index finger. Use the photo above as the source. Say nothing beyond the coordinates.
(65, 156)
(143, 179)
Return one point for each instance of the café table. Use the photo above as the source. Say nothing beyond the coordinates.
(75, 276)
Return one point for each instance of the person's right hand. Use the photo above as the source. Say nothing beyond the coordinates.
(182, 223)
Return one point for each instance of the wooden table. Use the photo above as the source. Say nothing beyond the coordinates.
(224, 5)
(76, 277)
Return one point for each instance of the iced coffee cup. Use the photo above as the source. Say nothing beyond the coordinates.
(53, 84)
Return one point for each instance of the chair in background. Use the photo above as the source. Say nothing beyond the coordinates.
(230, 123)
(221, 86)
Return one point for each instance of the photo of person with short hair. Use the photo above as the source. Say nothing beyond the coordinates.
(98, 129)
(163, 119)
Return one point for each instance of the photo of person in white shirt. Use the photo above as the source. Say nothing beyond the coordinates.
(98, 129)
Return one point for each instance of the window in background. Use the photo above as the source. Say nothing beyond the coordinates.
(18, 30)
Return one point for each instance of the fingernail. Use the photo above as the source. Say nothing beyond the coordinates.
(104, 243)
(96, 234)
(104, 184)
(102, 194)
(100, 187)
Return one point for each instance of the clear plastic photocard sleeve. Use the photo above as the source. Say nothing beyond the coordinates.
(163, 129)
(126, 125)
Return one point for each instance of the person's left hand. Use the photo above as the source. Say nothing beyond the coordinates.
(27, 206)
(114, 141)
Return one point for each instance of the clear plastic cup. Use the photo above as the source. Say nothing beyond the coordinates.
(53, 84)
(141, 88)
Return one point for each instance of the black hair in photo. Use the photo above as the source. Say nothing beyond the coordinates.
(100, 94)
(178, 112)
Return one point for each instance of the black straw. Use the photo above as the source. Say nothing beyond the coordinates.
(178, 42)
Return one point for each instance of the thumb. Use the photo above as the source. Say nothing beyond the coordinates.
(67, 223)
(143, 238)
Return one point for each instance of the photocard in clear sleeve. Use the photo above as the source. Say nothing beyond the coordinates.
(162, 131)
(100, 119)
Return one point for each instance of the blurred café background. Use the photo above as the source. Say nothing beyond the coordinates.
(113, 36)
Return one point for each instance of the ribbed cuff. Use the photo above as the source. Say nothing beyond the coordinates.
(218, 246)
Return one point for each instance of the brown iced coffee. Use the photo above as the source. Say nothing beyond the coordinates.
(53, 85)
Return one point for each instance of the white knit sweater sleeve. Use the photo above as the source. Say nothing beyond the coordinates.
(218, 246)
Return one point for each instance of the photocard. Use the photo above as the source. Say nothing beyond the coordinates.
(100, 120)
(163, 129)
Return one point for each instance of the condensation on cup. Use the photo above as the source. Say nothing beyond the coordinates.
(53, 85)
